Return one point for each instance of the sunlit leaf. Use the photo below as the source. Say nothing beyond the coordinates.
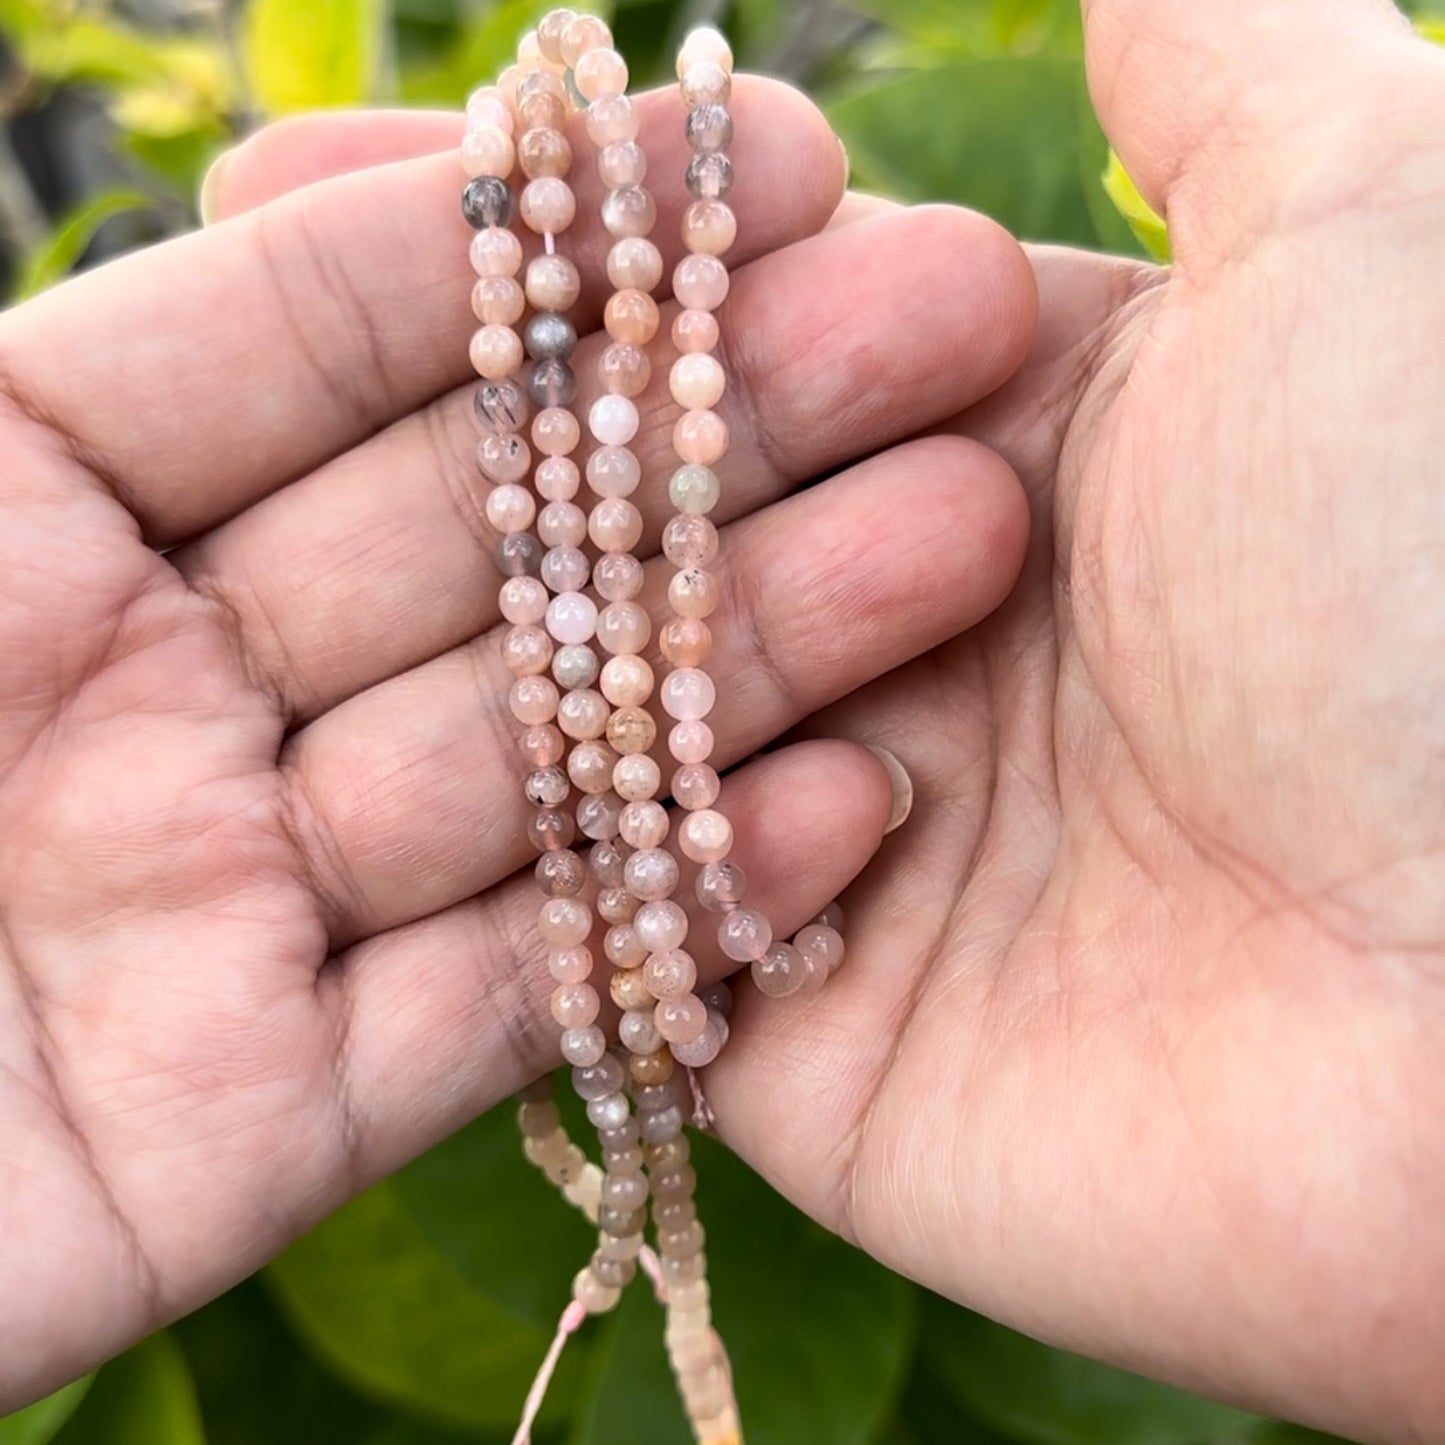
(377, 1302)
(37, 1423)
(92, 50)
(1145, 222)
(1042, 1396)
(67, 243)
(143, 1398)
(1432, 30)
(820, 1336)
(322, 53)
(193, 89)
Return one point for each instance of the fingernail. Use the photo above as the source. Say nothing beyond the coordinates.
(210, 189)
(902, 786)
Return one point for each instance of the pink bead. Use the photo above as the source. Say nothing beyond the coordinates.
(636, 777)
(689, 540)
(670, 974)
(526, 650)
(533, 699)
(704, 1049)
(600, 72)
(626, 681)
(638, 1033)
(523, 600)
(565, 569)
(634, 263)
(700, 437)
(555, 431)
(779, 971)
(624, 369)
(582, 34)
(819, 942)
(695, 785)
(681, 1020)
(613, 420)
(744, 935)
(660, 926)
(552, 283)
(709, 227)
(618, 577)
(496, 252)
(623, 163)
(688, 694)
(488, 152)
(611, 118)
(695, 331)
(613, 471)
(575, 1005)
(542, 745)
(511, 508)
(496, 351)
(691, 742)
(558, 479)
(705, 836)
(652, 873)
(694, 593)
(629, 211)
(721, 886)
(548, 205)
(503, 458)
(572, 617)
(498, 301)
(582, 714)
(615, 525)
(488, 107)
(590, 765)
(562, 524)
(704, 46)
(622, 947)
(696, 381)
(570, 965)
(700, 283)
(623, 627)
(644, 824)
(597, 816)
(583, 1047)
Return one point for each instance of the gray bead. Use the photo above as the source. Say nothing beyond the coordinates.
(550, 337)
(519, 554)
(487, 201)
(552, 383)
(575, 665)
(710, 177)
(708, 128)
(501, 407)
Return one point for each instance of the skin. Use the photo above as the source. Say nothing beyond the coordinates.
(1137, 1047)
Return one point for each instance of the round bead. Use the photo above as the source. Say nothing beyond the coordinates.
(680, 1020)
(510, 508)
(704, 46)
(597, 816)
(616, 905)
(631, 316)
(584, 1046)
(628, 990)
(558, 479)
(582, 714)
(637, 1032)
(623, 163)
(561, 524)
(488, 151)
(568, 965)
(549, 787)
(552, 283)
(496, 252)
(611, 118)
(544, 151)
(503, 458)
(709, 227)
(590, 765)
(618, 577)
(518, 554)
(564, 569)
(671, 974)
(550, 30)
(496, 351)
(560, 873)
(695, 786)
(542, 110)
(695, 331)
(820, 943)
(488, 107)
(626, 681)
(744, 934)
(572, 617)
(613, 420)
(584, 33)
(700, 437)
(705, 836)
(631, 730)
(549, 205)
(700, 1053)
(694, 593)
(779, 972)
(608, 1112)
(550, 828)
(615, 524)
(542, 745)
(700, 283)
(552, 383)
(688, 694)
(696, 381)
(624, 369)
(651, 1068)
(550, 337)
(564, 922)
(623, 627)
(630, 210)
(533, 699)
(606, 862)
(634, 262)
(652, 874)
(660, 926)
(592, 1294)
(663, 1125)
(706, 83)
(523, 600)
(689, 540)
(709, 177)
(613, 471)
(691, 742)
(708, 128)
(526, 650)
(636, 777)
(644, 824)
(486, 202)
(575, 1005)
(694, 488)
(574, 666)
(600, 72)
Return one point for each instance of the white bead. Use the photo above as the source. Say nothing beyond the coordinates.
(572, 617)
(704, 44)
(613, 420)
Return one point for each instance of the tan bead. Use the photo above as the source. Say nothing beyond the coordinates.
(498, 301)
(552, 283)
(548, 205)
(582, 34)
(611, 118)
(526, 650)
(626, 681)
(496, 252)
(555, 433)
(542, 110)
(550, 31)
(629, 729)
(694, 593)
(575, 1005)
(631, 316)
(686, 641)
(706, 83)
(582, 714)
(488, 152)
(623, 163)
(496, 351)
(653, 1068)
(615, 524)
(637, 776)
(634, 263)
(539, 1119)
(709, 227)
(700, 436)
(534, 700)
(544, 151)
(590, 765)
(624, 370)
(628, 989)
(696, 381)
(705, 836)
(704, 46)
(695, 331)
(644, 825)
(623, 627)
(700, 283)
(600, 72)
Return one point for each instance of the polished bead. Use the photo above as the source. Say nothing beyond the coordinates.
(608, 1112)
(709, 227)
(676, 1182)
(686, 642)
(496, 252)
(709, 177)
(618, 577)
(660, 926)
(689, 540)
(655, 1068)
(581, 34)
(688, 694)
(568, 965)
(550, 337)
(637, 1032)
(652, 873)
(500, 406)
(718, 996)
(624, 369)
(691, 742)
(696, 381)
(694, 489)
(590, 765)
(503, 458)
(626, 681)
(700, 283)
(628, 990)
(674, 1214)
(644, 824)
(630, 211)
(822, 944)
(548, 204)
(552, 383)
(488, 107)
(583, 714)
(540, 83)
(613, 471)
(600, 72)
(496, 351)
(611, 118)
(558, 479)
(681, 1019)
(583, 1046)
(529, 53)
(615, 524)
(665, 1124)
(694, 332)
(623, 627)
(574, 666)
(510, 508)
(606, 862)
(597, 815)
(705, 83)
(542, 110)
(682, 1242)
(613, 1272)
(488, 151)
(487, 201)
(613, 421)
(708, 128)
(564, 922)
(779, 972)
(542, 745)
(552, 283)
(694, 592)
(560, 874)
(562, 524)
(631, 316)
(575, 1005)
(519, 554)
(526, 650)
(704, 46)
(636, 777)
(634, 263)
(620, 1222)
(543, 151)
(624, 1191)
(669, 975)
(744, 935)
(615, 905)
(700, 437)
(695, 786)
(623, 163)
(590, 1292)
(549, 787)
(705, 836)
(706, 1047)
(572, 617)
(523, 600)
(565, 569)
(832, 915)
(663, 1158)
(538, 1120)
(550, 828)
(550, 30)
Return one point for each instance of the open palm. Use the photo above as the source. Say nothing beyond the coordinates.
(1135, 1046)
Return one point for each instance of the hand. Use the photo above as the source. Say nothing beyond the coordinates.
(263, 935)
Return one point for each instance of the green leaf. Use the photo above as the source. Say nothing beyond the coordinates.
(143, 1398)
(1004, 136)
(981, 27)
(378, 1303)
(67, 243)
(820, 1336)
(1432, 30)
(37, 1423)
(323, 53)
(1145, 222)
(1042, 1396)
(931, 1415)
(96, 51)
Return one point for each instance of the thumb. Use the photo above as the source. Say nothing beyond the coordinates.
(1215, 106)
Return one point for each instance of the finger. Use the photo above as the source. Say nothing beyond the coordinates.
(446, 1016)
(197, 376)
(407, 798)
(1236, 93)
(305, 149)
(839, 345)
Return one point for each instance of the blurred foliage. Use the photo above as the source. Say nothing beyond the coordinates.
(416, 1315)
